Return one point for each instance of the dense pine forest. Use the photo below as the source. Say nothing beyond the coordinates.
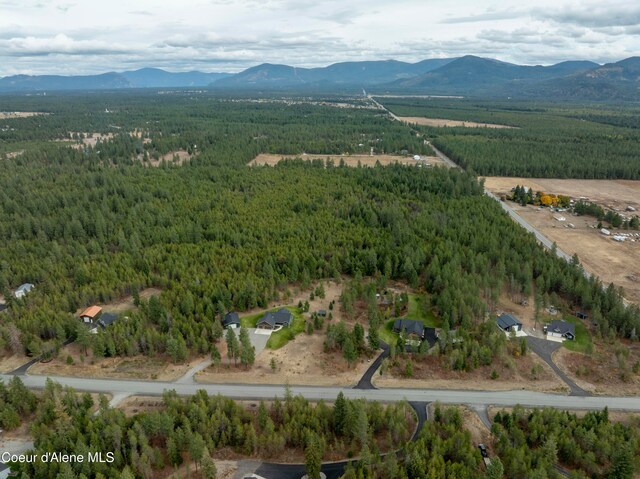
(90, 224)
(545, 141)
(183, 431)
(176, 432)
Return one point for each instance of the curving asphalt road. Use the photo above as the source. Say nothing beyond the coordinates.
(365, 380)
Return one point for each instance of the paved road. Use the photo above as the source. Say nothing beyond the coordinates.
(546, 242)
(260, 391)
(333, 470)
(545, 350)
(365, 380)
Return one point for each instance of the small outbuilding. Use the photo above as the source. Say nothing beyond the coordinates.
(508, 322)
(322, 313)
(417, 157)
(23, 289)
(581, 315)
(91, 314)
(231, 320)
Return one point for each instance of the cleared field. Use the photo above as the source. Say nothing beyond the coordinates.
(349, 160)
(613, 262)
(610, 193)
(439, 122)
(19, 114)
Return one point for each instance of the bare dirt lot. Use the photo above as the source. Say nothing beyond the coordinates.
(601, 372)
(19, 114)
(429, 373)
(9, 363)
(301, 361)
(349, 160)
(612, 261)
(177, 157)
(14, 154)
(440, 122)
(135, 367)
(607, 193)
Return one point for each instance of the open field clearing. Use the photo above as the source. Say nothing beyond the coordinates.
(440, 122)
(601, 372)
(428, 373)
(9, 363)
(14, 154)
(607, 193)
(135, 367)
(614, 262)
(300, 361)
(5, 115)
(349, 160)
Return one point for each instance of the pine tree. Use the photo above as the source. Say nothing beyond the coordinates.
(349, 351)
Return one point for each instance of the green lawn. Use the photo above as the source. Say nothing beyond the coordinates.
(582, 343)
(416, 311)
(386, 333)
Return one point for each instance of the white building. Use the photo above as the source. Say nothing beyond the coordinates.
(23, 289)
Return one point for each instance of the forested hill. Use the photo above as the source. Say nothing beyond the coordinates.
(91, 225)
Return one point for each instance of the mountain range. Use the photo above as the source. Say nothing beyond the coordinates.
(143, 78)
(468, 75)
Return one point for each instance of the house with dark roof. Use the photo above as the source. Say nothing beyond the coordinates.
(231, 320)
(559, 328)
(106, 320)
(271, 320)
(23, 289)
(508, 322)
(412, 328)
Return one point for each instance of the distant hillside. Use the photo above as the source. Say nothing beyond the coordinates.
(357, 74)
(144, 78)
(154, 77)
(471, 74)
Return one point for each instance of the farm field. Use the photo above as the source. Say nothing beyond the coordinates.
(613, 262)
(349, 160)
(440, 122)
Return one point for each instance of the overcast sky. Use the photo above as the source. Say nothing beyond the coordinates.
(94, 36)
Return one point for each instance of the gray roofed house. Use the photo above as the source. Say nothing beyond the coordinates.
(561, 328)
(231, 320)
(23, 289)
(282, 317)
(411, 327)
(107, 319)
(508, 322)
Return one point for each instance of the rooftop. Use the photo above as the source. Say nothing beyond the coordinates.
(91, 311)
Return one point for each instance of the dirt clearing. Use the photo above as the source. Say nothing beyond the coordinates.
(609, 370)
(349, 160)
(440, 122)
(612, 261)
(301, 361)
(176, 157)
(431, 373)
(4, 115)
(607, 193)
(134, 367)
(9, 363)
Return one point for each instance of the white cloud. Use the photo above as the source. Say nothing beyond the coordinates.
(85, 36)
